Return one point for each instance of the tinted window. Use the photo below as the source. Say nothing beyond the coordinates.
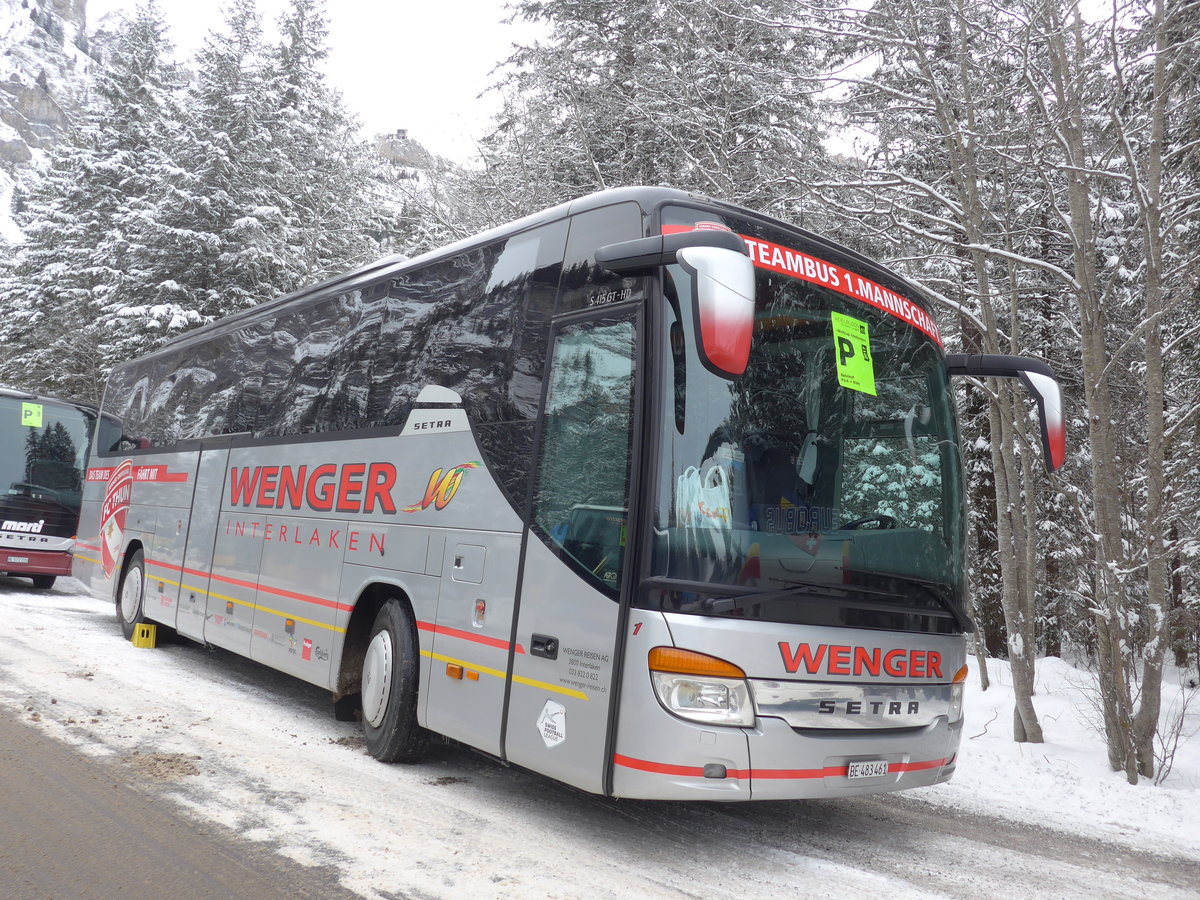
(582, 491)
(585, 285)
(477, 323)
(43, 454)
(317, 377)
(204, 389)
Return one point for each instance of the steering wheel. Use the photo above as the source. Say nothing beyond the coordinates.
(884, 521)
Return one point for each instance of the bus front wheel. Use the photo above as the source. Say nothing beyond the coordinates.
(389, 687)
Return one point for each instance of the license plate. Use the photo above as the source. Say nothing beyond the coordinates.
(867, 769)
(18, 559)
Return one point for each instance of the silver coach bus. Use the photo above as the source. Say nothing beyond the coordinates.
(648, 493)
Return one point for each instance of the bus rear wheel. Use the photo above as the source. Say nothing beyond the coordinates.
(43, 582)
(389, 687)
(131, 594)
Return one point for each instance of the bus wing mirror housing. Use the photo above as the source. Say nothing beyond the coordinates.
(1038, 379)
(723, 299)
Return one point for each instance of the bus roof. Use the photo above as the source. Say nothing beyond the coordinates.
(17, 394)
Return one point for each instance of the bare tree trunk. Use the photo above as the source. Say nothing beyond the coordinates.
(1068, 64)
(960, 131)
(1147, 174)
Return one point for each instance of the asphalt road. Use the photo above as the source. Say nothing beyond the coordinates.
(71, 828)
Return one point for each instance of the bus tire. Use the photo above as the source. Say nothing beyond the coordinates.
(389, 687)
(131, 594)
(43, 582)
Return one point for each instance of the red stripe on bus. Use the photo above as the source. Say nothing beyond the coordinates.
(468, 636)
(279, 592)
(644, 765)
(918, 766)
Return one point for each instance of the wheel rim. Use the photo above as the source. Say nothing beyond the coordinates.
(131, 594)
(377, 678)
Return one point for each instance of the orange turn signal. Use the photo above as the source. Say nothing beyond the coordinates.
(688, 662)
(960, 676)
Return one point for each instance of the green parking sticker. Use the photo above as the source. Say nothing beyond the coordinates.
(852, 353)
(31, 414)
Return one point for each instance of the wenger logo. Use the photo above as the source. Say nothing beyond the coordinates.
(844, 659)
(349, 488)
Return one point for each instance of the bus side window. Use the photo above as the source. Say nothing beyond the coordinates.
(316, 377)
(478, 323)
(582, 492)
(584, 284)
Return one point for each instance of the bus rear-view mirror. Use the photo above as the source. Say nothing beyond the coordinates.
(723, 296)
(1038, 379)
(724, 306)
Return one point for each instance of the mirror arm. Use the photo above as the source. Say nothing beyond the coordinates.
(984, 364)
(632, 257)
(1039, 380)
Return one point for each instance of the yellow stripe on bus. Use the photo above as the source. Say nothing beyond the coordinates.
(248, 605)
(496, 673)
(312, 622)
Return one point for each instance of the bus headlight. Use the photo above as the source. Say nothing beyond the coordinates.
(701, 688)
(957, 689)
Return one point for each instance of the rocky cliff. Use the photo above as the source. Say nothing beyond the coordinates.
(45, 74)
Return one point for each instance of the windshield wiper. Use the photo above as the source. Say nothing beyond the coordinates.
(919, 589)
(892, 592)
(799, 588)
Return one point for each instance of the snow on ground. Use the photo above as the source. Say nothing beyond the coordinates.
(1065, 783)
(261, 753)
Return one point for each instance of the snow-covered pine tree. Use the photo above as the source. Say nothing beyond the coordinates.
(706, 95)
(273, 188)
(81, 219)
(221, 235)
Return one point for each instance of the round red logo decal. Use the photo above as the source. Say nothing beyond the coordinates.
(112, 515)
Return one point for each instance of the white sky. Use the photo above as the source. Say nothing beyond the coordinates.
(409, 65)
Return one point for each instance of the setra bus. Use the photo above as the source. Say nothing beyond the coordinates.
(649, 493)
(44, 444)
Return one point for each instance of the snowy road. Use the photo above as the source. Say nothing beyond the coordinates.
(260, 753)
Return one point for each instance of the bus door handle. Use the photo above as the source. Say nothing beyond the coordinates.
(544, 646)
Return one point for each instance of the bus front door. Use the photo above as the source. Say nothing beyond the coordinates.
(564, 659)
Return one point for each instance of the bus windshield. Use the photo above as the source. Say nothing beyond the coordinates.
(823, 485)
(43, 453)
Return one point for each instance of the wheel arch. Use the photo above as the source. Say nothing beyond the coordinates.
(358, 632)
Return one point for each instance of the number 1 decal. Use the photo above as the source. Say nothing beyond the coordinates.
(637, 628)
